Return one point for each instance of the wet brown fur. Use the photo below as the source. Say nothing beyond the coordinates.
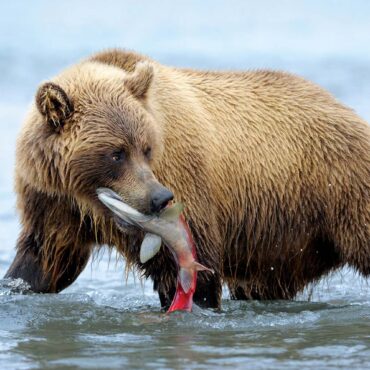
(274, 173)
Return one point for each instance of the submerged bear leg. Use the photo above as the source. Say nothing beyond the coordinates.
(244, 291)
(209, 290)
(54, 244)
(237, 292)
(166, 297)
(352, 239)
(29, 265)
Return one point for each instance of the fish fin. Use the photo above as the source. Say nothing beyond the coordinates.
(186, 279)
(149, 247)
(199, 267)
(172, 213)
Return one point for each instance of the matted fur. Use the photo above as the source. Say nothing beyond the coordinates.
(274, 173)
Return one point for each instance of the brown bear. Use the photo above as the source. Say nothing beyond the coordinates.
(273, 171)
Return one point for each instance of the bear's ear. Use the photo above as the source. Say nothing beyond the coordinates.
(138, 82)
(54, 104)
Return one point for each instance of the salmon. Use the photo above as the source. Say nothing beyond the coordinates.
(170, 227)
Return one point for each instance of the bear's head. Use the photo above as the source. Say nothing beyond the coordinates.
(92, 127)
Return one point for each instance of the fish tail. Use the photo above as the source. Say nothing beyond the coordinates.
(186, 277)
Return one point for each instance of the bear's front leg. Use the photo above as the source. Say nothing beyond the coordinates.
(29, 265)
(209, 290)
(54, 245)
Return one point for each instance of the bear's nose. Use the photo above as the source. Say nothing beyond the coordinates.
(160, 199)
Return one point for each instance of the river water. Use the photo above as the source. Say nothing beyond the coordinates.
(106, 320)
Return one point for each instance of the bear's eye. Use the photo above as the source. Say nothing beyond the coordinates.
(118, 156)
(148, 152)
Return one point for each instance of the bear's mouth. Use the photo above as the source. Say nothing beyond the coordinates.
(119, 211)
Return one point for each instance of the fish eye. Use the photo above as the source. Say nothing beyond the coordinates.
(118, 156)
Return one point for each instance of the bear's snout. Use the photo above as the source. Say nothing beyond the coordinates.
(160, 198)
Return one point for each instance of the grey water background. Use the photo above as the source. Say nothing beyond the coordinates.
(107, 321)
